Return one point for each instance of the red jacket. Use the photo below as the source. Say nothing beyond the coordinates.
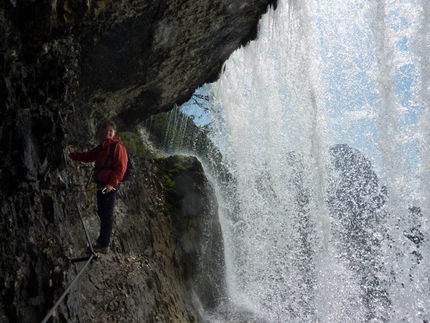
(113, 168)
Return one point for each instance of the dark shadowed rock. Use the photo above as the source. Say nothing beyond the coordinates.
(126, 58)
(146, 57)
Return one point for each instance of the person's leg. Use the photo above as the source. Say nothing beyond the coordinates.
(105, 205)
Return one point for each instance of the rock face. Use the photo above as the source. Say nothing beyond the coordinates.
(163, 266)
(65, 64)
(156, 53)
(132, 58)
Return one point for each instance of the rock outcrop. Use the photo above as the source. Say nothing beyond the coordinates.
(65, 65)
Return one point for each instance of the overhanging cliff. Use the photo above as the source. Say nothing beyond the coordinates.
(126, 58)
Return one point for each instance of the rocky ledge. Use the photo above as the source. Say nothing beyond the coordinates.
(166, 260)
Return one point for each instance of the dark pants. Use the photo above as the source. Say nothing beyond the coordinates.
(105, 204)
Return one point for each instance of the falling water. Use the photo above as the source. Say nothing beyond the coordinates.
(323, 122)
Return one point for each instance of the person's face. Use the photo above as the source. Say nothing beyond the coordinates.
(108, 132)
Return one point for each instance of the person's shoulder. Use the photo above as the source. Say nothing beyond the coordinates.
(107, 143)
(118, 142)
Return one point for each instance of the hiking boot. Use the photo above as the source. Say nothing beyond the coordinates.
(97, 247)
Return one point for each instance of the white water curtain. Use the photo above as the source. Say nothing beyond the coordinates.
(324, 73)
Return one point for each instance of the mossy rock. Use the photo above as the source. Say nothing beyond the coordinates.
(135, 145)
(172, 170)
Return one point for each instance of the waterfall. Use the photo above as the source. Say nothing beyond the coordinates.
(323, 123)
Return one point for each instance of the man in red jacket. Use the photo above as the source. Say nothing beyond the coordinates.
(109, 171)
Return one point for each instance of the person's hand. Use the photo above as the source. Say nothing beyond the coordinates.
(108, 188)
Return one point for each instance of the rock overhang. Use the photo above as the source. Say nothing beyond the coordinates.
(140, 60)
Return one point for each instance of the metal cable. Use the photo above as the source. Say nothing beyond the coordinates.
(68, 289)
(89, 259)
(86, 233)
